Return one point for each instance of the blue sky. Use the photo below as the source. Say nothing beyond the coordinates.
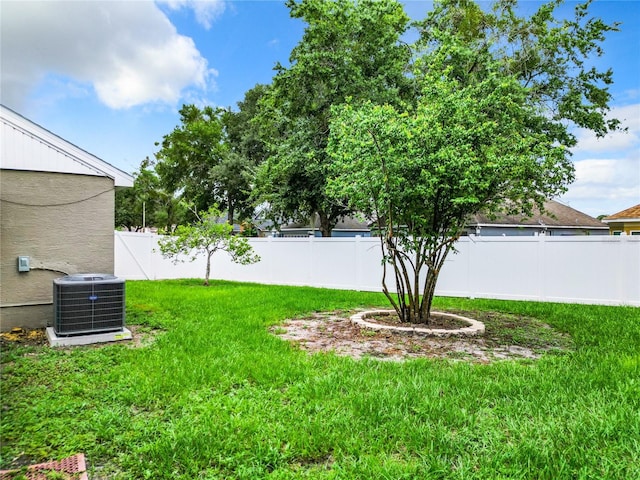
(110, 76)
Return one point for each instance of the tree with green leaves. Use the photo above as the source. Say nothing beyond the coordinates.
(136, 207)
(349, 49)
(243, 132)
(128, 212)
(208, 235)
(147, 204)
(490, 132)
(196, 164)
(246, 150)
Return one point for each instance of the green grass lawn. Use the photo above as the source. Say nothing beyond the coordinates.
(216, 396)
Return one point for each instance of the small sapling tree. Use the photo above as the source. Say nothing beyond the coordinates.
(207, 235)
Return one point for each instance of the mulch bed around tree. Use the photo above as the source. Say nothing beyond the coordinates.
(507, 337)
(436, 321)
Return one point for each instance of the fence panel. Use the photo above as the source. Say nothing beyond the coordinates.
(599, 270)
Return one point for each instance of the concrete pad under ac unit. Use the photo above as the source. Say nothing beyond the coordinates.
(60, 341)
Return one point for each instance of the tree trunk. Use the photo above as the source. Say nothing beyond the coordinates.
(427, 298)
(437, 261)
(403, 285)
(325, 225)
(206, 276)
(413, 307)
(230, 211)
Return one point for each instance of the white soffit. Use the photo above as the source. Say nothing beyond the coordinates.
(27, 146)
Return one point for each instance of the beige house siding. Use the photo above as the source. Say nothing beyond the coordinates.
(64, 224)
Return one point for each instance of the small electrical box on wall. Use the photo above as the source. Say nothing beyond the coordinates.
(23, 264)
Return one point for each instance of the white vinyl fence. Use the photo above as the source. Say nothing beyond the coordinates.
(582, 269)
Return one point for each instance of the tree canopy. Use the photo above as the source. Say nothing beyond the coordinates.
(477, 115)
(242, 132)
(196, 163)
(490, 131)
(349, 49)
(146, 204)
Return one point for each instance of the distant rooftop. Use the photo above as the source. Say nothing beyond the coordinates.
(345, 223)
(627, 214)
(556, 215)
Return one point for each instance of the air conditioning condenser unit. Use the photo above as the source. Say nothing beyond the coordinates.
(88, 303)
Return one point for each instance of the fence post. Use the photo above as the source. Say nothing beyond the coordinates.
(357, 245)
(312, 279)
(152, 246)
(626, 278)
(270, 266)
(471, 252)
(542, 295)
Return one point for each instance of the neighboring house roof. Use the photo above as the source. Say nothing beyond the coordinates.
(556, 215)
(48, 152)
(345, 224)
(631, 214)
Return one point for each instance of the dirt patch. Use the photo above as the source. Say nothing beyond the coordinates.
(436, 321)
(141, 336)
(506, 337)
(24, 336)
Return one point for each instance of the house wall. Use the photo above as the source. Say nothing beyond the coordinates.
(489, 231)
(304, 233)
(567, 232)
(347, 233)
(64, 224)
(629, 228)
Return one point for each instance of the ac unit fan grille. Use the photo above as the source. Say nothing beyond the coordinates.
(88, 307)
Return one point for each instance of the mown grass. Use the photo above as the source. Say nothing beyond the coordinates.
(216, 396)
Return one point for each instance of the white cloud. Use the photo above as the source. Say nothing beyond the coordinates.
(605, 185)
(128, 51)
(596, 171)
(629, 117)
(206, 11)
(607, 169)
(611, 179)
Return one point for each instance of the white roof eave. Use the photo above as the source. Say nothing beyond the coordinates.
(75, 154)
(621, 220)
